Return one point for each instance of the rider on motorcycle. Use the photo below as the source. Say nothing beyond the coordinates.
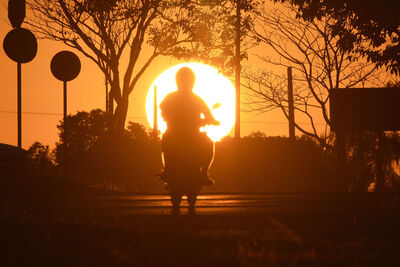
(184, 113)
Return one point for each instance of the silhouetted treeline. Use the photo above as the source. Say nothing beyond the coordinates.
(29, 180)
(257, 163)
(87, 153)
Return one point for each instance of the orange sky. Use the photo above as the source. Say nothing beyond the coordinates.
(42, 93)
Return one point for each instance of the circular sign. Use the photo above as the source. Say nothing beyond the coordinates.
(65, 66)
(20, 45)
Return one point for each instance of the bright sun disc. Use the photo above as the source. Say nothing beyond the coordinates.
(214, 88)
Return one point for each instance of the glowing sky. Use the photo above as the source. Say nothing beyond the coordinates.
(42, 95)
(216, 90)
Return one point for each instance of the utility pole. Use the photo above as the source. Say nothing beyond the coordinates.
(65, 105)
(106, 84)
(110, 118)
(155, 118)
(292, 135)
(237, 70)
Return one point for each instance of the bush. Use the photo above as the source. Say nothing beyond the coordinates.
(257, 163)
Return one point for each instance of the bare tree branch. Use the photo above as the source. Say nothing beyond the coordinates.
(309, 47)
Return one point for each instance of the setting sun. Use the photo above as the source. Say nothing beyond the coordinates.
(214, 88)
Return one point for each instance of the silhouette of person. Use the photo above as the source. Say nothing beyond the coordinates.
(185, 113)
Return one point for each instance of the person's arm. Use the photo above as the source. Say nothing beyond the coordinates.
(208, 117)
(163, 108)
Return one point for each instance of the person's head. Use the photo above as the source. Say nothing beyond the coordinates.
(185, 79)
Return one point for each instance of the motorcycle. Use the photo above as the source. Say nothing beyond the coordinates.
(184, 175)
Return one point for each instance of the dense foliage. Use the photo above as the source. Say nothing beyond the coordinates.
(86, 154)
(258, 163)
(255, 163)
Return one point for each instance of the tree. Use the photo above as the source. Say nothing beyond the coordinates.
(137, 132)
(42, 159)
(84, 132)
(271, 164)
(107, 30)
(87, 154)
(369, 28)
(319, 65)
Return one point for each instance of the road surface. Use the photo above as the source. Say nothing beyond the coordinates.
(282, 229)
(215, 204)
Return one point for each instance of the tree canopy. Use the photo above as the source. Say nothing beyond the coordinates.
(368, 28)
(105, 31)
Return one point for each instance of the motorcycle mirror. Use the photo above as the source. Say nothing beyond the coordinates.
(216, 105)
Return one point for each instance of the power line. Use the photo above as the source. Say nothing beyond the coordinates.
(282, 122)
(51, 114)
(32, 113)
(144, 118)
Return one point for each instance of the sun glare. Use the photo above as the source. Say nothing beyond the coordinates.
(214, 88)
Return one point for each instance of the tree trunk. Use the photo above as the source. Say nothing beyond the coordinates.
(117, 140)
(120, 116)
(110, 112)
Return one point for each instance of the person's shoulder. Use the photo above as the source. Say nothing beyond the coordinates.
(172, 94)
(169, 97)
(199, 100)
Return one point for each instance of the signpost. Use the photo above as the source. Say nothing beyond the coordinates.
(20, 46)
(16, 12)
(65, 66)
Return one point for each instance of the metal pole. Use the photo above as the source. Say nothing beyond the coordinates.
(155, 121)
(110, 110)
(106, 82)
(65, 114)
(237, 70)
(19, 105)
(65, 103)
(291, 104)
(64, 168)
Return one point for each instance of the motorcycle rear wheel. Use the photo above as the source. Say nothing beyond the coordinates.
(191, 198)
(176, 198)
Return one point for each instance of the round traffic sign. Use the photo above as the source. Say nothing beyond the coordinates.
(65, 66)
(20, 45)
